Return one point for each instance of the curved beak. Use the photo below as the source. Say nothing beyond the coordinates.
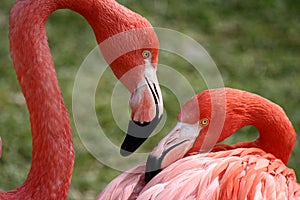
(173, 147)
(147, 108)
(138, 133)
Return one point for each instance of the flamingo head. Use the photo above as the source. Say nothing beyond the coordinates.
(133, 57)
(130, 45)
(213, 115)
(146, 100)
(192, 131)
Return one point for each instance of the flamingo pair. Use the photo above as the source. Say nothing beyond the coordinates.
(52, 146)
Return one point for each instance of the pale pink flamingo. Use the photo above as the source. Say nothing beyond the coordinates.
(247, 170)
(52, 146)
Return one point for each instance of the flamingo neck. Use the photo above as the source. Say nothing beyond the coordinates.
(52, 146)
(276, 133)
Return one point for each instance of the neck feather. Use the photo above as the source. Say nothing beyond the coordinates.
(277, 135)
(52, 147)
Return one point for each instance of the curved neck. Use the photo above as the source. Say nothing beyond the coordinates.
(277, 135)
(52, 147)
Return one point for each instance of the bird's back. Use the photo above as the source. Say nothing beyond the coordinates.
(243, 173)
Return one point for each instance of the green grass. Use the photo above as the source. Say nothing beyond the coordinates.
(256, 46)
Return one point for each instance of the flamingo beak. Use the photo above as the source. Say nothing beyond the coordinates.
(147, 108)
(171, 148)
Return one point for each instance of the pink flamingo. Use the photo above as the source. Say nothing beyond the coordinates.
(52, 146)
(247, 170)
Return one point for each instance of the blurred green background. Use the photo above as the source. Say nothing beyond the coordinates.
(255, 44)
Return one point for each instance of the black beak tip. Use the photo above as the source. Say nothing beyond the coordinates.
(137, 134)
(153, 167)
(130, 145)
(125, 153)
(150, 175)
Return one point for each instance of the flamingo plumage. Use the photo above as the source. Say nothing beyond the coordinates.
(247, 170)
(52, 146)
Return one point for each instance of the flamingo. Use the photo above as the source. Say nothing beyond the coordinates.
(52, 146)
(132, 56)
(246, 170)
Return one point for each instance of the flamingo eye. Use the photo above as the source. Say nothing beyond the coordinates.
(204, 122)
(146, 54)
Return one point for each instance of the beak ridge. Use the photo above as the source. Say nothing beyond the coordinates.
(173, 147)
(153, 167)
(147, 109)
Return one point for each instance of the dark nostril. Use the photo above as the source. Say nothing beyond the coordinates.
(152, 92)
(156, 92)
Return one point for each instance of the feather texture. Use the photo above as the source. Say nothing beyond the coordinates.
(242, 173)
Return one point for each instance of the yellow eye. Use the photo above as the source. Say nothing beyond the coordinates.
(146, 54)
(204, 122)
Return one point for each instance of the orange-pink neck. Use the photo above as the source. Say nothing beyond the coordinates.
(52, 146)
(276, 133)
